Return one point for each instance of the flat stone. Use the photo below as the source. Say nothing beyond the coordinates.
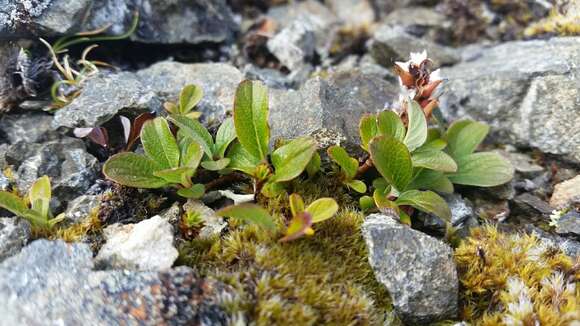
(417, 270)
(522, 163)
(29, 127)
(569, 225)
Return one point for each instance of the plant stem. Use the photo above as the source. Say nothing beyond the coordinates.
(364, 168)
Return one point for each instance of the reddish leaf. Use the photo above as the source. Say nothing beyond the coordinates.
(136, 129)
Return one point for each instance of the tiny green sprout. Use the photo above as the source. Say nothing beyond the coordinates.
(251, 153)
(189, 97)
(191, 130)
(192, 219)
(165, 163)
(304, 217)
(348, 168)
(248, 212)
(38, 212)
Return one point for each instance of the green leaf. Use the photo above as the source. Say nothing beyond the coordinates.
(249, 212)
(348, 164)
(296, 204)
(322, 209)
(189, 97)
(314, 165)
(191, 154)
(175, 175)
(393, 161)
(39, 195)
(133, 170)
(224, 137)
(13, 203)
(483, 170)
(195, 191)
(273, 189)
(382, 201)
(242, 160)
(366, 203)
(195, 131)
(434, 160)
(216, 165)
(159, 143)
(431, 180)
(368, 129)
(357, 186)
(464, 136)
(417, 130)
(426, 201)
(291, 159)
(390, 124)
(299, 226)
(251, 117)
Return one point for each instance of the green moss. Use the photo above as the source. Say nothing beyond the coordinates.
(516, 279)
(322, 279)
(556, 23)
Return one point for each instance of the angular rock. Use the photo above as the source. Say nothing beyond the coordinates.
(29, 127)
(568, 246)
(146, 90)
(569, 225)
(522, 163)
(329, 109)
(527, 208)
(566, 193)
(14, 234)
(462, 215)
(536, 104)
(147, 245)
(294, 46)
(80, 208)
(393, 43)
(53, 281)
(417, 270)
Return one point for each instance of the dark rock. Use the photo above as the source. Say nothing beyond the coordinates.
(527, 207)
(417, 270)
(294, 45)
(14, 234)
(423, 22)
(504, 191)
(462, 215)
(393, 43)
(569, 225)
(493, 211)
(53, 281)
(535, 104)
(30, 127)
(146, 90)
(329, 109)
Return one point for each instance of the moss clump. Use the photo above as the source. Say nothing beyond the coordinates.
(516, 279)
(556, 23)
(323, 279)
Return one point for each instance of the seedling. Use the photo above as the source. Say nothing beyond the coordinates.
(165, 163)
(348, 168)
(36, 207)
(189, 97)
(303, 218)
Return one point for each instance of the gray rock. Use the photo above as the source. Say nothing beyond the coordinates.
(4, 181)
(29, 127)
(462, 215)
(535, 104)
(384, 7)
(53, 281)
(212, 223)
(344, 10)
(568, 246)
(569, 225)
(80, 208)
(14, 234)
(522, 163)
(393, 43)
(147, 245)
(294, 45)
(527, 208)
(8, 51)
(417, 270)
(146, 90)
(329, 109)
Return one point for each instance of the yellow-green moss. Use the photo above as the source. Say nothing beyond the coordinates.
(516, 279)
(324, 279)
(556, 23)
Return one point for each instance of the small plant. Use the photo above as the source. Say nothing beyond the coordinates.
(189, 97)
(303, 218)
(250, 213)
(36, 207)
(251, 153)
(348, 168)
(165, 163)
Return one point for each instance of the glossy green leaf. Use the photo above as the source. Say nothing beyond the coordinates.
(314, 165)
(273, 189)
(251, 117)
(390, 124)
(195, 191)
(291, 159)
(482, 169)
(434, 160)
(417, 129)
(242, 160)
(322, 209)
(133, 170)
(431, 180)
(464, 136)
(191, 155)
(426, 201)
(216, 165)
(366, 203)
(357, 186)
(368, 129)
(224, 137)
(383, 202)
(195, 131)
(159, 143)
(299, 226)
(39, 196)
(296, 204)
(249, 212)
(348, 164)
(13, 203)
(175, 175)
(393, 161)
(189, 97)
